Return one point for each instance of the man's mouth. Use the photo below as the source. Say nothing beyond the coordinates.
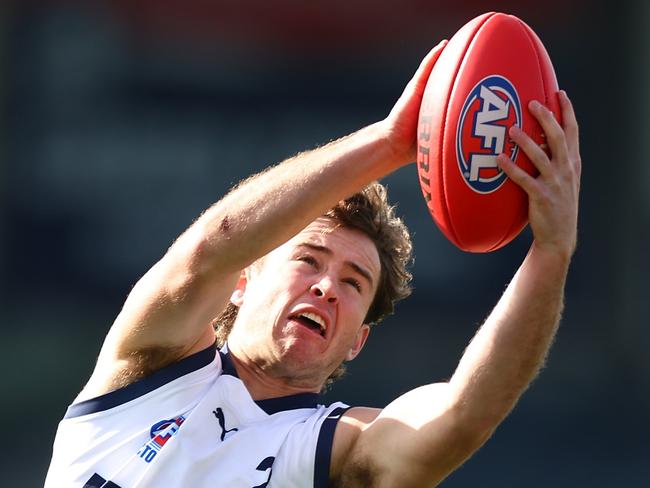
(312, 321)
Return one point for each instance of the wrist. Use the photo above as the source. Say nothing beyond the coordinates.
(398, 152)
(554, 255)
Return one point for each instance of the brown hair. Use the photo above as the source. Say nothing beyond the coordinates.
(367, 211)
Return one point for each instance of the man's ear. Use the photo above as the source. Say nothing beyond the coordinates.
(237, 297)
(362, 336)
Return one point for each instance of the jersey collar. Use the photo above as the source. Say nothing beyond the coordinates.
(271, 405)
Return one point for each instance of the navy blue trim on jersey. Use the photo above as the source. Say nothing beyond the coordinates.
(291, 402)
(141, 387)
(227, 365)
(324, 448)
(272, 405)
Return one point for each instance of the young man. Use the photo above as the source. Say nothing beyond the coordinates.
(302, 269)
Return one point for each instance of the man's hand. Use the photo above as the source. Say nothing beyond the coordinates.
(402, 122)
(553, 195)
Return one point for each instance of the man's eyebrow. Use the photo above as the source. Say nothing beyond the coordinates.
(361, 271)
(315, 247)
(353, 265)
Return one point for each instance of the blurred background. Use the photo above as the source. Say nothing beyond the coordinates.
(121, 121)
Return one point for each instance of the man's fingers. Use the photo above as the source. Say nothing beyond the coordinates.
(516, 174)
(570, 124)
(534, 152)
(426, 65)
(416, 85)
(555, 136)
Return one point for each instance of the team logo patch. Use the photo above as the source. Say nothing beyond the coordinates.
(490, 109)
(160, 433)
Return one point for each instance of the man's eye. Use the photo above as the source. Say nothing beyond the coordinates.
(354, 283)
(307, 259)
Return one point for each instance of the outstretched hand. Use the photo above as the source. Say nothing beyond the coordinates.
(402, 122)
(553, 195)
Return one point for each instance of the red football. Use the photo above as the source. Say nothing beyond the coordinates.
(479, 87)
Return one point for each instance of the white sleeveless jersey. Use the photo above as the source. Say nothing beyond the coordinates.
(194, 424)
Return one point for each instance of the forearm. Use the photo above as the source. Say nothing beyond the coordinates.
(269, 208)
(511, 346)
(436, 427)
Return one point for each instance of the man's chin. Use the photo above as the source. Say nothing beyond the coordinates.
(300, 366)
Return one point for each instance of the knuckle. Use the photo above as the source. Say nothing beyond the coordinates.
(577, 165)
(555, 132)
(544, 196)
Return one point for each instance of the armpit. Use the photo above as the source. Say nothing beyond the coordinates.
(143, 363)
(356, 474)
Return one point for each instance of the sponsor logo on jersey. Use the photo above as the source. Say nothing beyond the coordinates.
(489, 110)
(160, 433)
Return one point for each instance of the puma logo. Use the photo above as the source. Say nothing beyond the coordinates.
(221, 418)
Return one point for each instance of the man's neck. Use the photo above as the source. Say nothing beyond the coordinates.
(262, 384)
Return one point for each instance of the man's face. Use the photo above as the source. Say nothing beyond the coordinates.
(302, 306)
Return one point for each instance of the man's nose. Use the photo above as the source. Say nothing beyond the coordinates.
(325, 289)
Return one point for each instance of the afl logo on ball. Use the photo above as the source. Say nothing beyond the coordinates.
(482, 134)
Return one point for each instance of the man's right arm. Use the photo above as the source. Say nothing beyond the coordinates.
(168, 314)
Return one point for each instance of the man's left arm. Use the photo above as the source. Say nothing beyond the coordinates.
(422, 436)
(511, 346)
